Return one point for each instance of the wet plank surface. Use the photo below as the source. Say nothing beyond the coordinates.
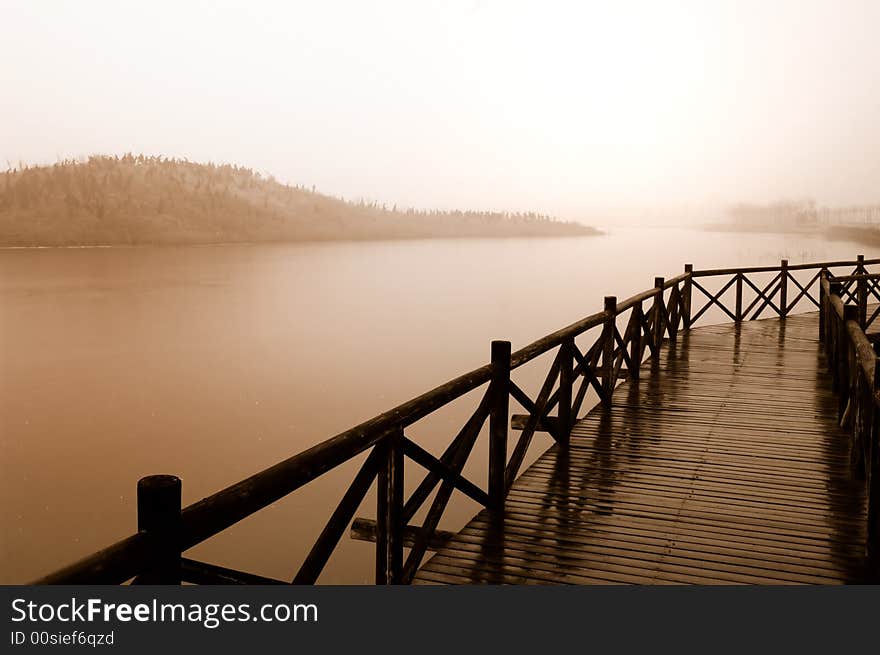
(722, 465)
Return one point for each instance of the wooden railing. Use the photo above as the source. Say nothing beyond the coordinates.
(853, 364)
(776, 290)
(589, 357)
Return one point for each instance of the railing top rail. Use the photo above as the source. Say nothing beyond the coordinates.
(636, 299)
(213, 514)
(777, 267)
(850, 278)
(539, 347)
(861, 343)
(219, 511)
(671, 282)
(865, 355)
(836, 301)
(114, 564)
(542, 345)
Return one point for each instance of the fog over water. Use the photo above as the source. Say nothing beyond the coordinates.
(588, 110)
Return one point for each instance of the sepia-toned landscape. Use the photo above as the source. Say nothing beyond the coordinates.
(457, 293)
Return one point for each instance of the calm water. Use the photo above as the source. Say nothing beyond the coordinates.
(214, 362)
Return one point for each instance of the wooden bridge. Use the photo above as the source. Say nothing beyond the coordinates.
(740, 452)
(723, 464)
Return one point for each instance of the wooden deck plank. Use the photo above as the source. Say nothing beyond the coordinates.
(817, 559)
(722, 464)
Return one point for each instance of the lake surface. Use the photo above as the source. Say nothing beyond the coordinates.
(213, 363)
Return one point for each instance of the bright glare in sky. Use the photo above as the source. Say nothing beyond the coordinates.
(569, 108)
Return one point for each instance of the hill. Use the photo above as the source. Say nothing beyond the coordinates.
(135, 199)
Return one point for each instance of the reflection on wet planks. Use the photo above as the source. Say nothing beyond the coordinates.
(724, 464)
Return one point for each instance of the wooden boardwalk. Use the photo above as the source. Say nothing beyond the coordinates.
(721, 460)
(723, 464)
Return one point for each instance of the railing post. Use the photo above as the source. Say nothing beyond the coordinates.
(389, 510)
(822, 300)
(566, 381)
(686, 297)
(739, 298)
(608, 328)
(499, 416)
(783, 289)
(657, 328)
(158, 514)
(833, 330)
(635, 348)
(862, 296)
(860, 265)
(844, 344)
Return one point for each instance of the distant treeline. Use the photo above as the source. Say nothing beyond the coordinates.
(804, 214)
(137, 199)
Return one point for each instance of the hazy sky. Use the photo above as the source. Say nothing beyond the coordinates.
(569, 108)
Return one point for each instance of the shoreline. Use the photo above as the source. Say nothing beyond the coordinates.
(863, 235)
(594, 233)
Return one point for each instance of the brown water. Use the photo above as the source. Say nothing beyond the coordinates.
(214, 362)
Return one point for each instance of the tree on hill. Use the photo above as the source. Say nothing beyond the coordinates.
(138, 199)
